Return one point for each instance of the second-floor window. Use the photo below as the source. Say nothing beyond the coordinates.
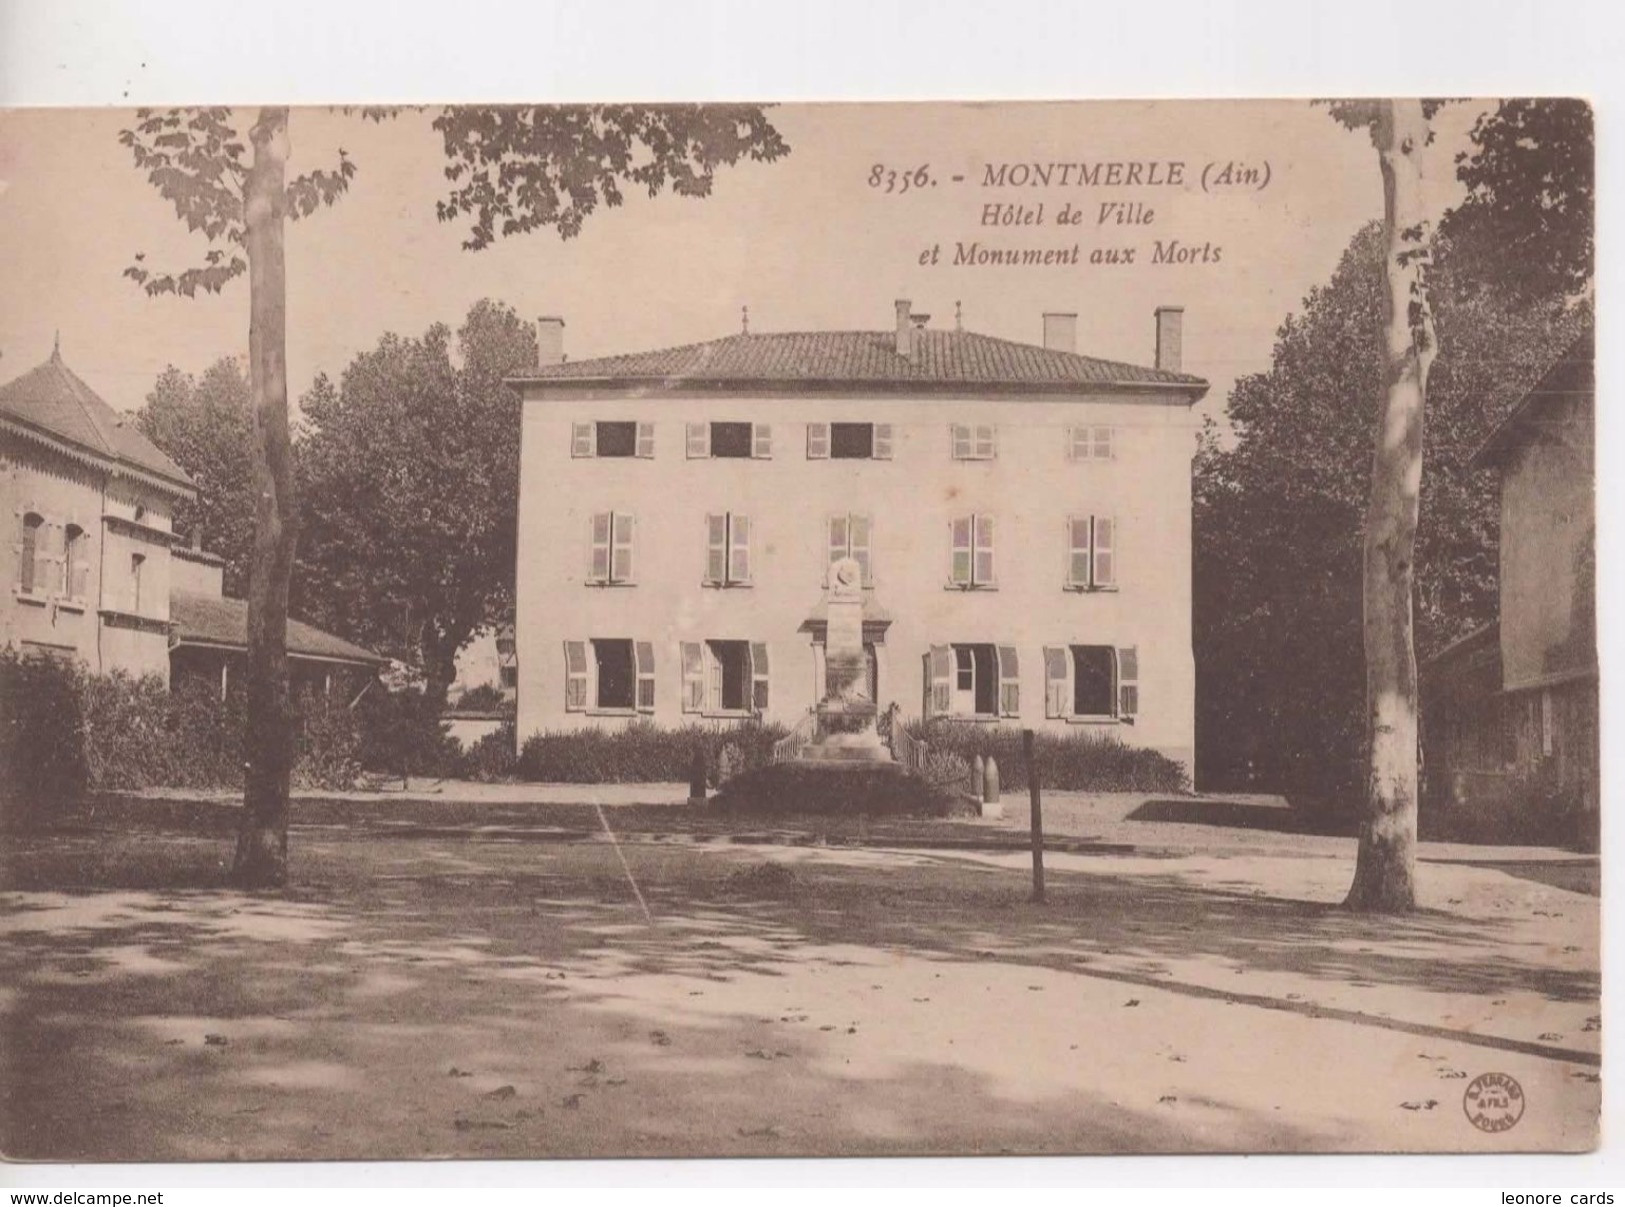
(849, 537)
(849, 441)
(729, 440)
(30, 548)
(974, 442)
(1091, 563)
(612, 439)
(138, 569)
(75, 562)
(610, 557)
(727, 550)
(1091, 443)
(971, 562)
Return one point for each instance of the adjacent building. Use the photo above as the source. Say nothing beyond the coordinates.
(1021, 514)
(97, 572)
(1510, 711)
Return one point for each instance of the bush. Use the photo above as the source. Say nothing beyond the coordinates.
(1081, 762)
(483, 697)
(402, 733)
(789, 788)
(642, 753)
(42, 750)
(492, 758)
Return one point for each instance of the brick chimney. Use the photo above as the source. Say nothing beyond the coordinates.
(1060, 331)
(905, 328)
(1170, 338)
(549, 341)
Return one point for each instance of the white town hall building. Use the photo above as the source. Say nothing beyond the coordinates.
(1021, 513)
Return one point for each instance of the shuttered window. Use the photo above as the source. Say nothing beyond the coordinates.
(971, 561)
(817, 441)
(75, 562)
(727, 550)
(645, 657)
(939, 669)
(1091, 563)
(881, 450)
(610, 540)
(646, 440)
(1009, 682)
(761, 446)
(759, 675)
(1057, 681)
(693, 676)
(1128, 682)
(1091, 443)
(30, 538)
(583, 440)
(974, 442)
(849, 537)
(698, 439)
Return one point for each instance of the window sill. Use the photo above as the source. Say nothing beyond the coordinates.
(614, 712)
(729, 714)
(31, 597)
(76, 606)
(968, 588)
(972, 718)
(622, 583)
(714, 586)
(1077, 589)
(1103, 720)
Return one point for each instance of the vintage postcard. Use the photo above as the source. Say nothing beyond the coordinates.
(798, 630)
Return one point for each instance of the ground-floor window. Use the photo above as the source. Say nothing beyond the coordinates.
(972, 679)
(615, 674)
(725, 676)
(1091, 682)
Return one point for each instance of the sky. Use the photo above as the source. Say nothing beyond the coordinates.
(805, 243)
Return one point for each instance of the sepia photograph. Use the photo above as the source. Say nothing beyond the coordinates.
(727, 629)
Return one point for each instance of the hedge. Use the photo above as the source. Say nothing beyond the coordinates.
(1084, 762)
(643, 753)
(65, 730)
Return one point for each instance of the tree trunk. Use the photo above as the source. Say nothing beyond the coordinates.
(262, 842)
(1385, 870)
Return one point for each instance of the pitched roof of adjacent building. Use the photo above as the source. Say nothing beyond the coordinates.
(1574, 372)
(941, 358)
(52, 401)
(219, 621)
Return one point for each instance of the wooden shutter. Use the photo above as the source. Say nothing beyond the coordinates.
(693, 677)
(1009, 682)
(583, 439)
(80, 587)
(1079, 550)
(881, 451)
(817, 441)
(1103, 441)
(1057, 681)
(644, 652)
(839, 530)
(699, 440)
(1104, 573)
(646, 440)
(985, 445)
(598, 542)
(738, 549)
(48, 558)
(960, 528)
(575, 676)
(984, 551)
(761, 440)
(1128, 682)
(621, 566)
(961, 441)
(716, 549)
(858, 527)
(939, 669)
(1077, 443)
(758, 675)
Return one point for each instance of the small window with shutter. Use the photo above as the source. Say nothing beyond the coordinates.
(1057, 681)
(971, 563)
(817, 441)
(1103, 575)
(849, 536)
(30, 537)
(974, 442)
(727, 550)
(75, 563)
(1091, 443)
(881, 450)
(693, 656)
(1091, 560)
(761, 446)
(698, 440)
(939, 673)
(583, 442)
(646, 440)
(984, 551)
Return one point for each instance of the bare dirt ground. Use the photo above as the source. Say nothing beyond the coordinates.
(454, 995)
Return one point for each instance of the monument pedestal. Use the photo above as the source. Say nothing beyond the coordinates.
(846, 738)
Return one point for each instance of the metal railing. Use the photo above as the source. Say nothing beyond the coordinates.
(801, 733)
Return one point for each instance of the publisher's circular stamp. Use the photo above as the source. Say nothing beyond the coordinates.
(1493, 1102)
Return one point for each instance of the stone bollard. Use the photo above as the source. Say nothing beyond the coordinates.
(976, 773)
(696, 779)
(992, 806)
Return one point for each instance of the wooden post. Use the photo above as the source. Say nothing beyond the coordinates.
(1038, 816)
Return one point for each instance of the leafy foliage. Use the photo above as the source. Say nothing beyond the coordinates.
(1279, 516)
(409, 476)
(515, 168)
(795, 788)
(206, 426)
(1082, 762)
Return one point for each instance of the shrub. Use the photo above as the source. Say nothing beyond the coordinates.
(493, 757)
(329, 745)
(642, 753)
(483, 697)
(1081, 762)
(402, 734)
(42, 753)
(788, 788)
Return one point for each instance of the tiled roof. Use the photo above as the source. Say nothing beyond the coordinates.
(940, 358)
(217, 620)
(1572, 372)
(53, 400)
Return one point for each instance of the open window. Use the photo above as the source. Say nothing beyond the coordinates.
(610, 674)
(612, 438)
(725, 677)
(1091, 682)
(849, 441)
(973, 680)
(741, 440)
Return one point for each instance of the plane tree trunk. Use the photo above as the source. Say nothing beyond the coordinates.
(1385, 869)
(262, 842)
